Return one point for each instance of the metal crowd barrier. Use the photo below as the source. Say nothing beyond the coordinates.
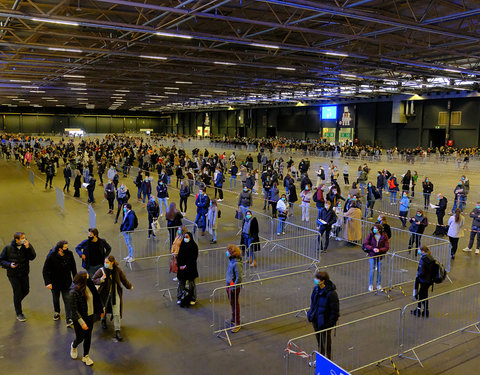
(350, 347)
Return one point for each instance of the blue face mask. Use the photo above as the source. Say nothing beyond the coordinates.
(419, 215)
(419, 252)
(316, 281)
(249, 217)
(106, 265)
(228, 254)
(375, 230)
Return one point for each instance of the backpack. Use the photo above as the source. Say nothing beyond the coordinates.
(439, 273)
(391, 184)
(135, 221)
(185, 299)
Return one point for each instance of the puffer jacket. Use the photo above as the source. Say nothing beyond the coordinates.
(234, 272)
(371, 243)
(21, 257)
(324, 307)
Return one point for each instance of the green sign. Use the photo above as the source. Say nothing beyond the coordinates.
(345, 135)
(329, 135)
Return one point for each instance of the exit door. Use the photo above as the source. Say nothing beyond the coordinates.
(437, 137)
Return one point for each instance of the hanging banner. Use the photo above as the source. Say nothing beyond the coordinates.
(346, 118)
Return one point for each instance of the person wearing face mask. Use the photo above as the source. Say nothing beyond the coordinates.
(306, 197)
(455, 231)
(138, 183)
(110, 279)
(267, 185)
(58, 272)
(423, 281)
(460, 196)
(393, 187)
(202, 202)
(324, 311)
(233, 175)
(123, 195)
(85, 305)
(417, 227)
(212, 217)
(175, 248)
(326, 218)
(375, 245)
(353, 224)
(440, 209)
(233, 279)
(381, 181)
(475, 230)
(244, 201)
(129, 223)
(282, 211)
(404, 205)
(187, 269)
(153, 212)
(93, 251)
(146, 189)
(427, 192)
(162, 194)
(372, 195)
(77, 184)
(184, 194)
(109, 194)
(273, 199)
(250, 239)
(382, 220)
(16, 259)
(219, 179)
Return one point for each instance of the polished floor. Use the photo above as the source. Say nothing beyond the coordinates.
(160, 337)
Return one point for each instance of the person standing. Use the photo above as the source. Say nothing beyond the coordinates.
(174, 221)
(58, 272)
(250, 239)
(146, 189)
(306, 196)
(110, 195)
(85, 304)
(324, 311)
(440, 209)
(153, 212)
(455, 230)
(162, 194)
(244, 201)
(233, 175)
(423, 281)
(475, 230)
(404, 205)
(77, 184)
(16, 259)
(427, 192)
(50, 171)
(187, 268)
(67, 175)
(202, 203)
(282, 210)
(212, 217)
(372, 195)
(233, 279)
(110, 279)
(376, 244)
(218, 184)
(417, 227)
(273, 199)
(326, 218)
(93, 251)
(346, 169)
(184, 194)
(123, 195)
(460, 196)
(292, 198)
(393, 187)
(126, 228)
(91, 189)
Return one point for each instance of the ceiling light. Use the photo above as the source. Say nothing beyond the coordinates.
(340, 54)
(171, 93)
(72, 76)
(77, 83)
(119, 90)
(183, 82)
(29, 87)
(223, 63)
(263, 45)
(220, 91)
(65, 49)
(153, 57)
(37, 91)
(19, 81)
(162, 33)
(452, 70)
(59, 105)
(78, 88)
(171, 88)
(284, 68)
(205, 96)
(59, 22)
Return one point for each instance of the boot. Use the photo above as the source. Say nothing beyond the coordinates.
(104, 323)
(117, 335)
(254, 264)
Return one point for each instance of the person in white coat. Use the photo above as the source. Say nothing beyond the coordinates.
(282, 211)
(455, 230)
(306, 197)
(212, 217)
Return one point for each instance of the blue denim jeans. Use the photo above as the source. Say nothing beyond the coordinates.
(128, 240)
(139, 193)
(146, 196)
(460, 202)
(201, 225)
(393, 196)
(164, 201)
(281, 225)
(248, 241)
(234, 180)
(375, 262)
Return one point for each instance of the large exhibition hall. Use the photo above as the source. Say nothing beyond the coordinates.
(239, 187)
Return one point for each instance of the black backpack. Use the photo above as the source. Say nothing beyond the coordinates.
(439, 273)
(185, 299)
(135, 221)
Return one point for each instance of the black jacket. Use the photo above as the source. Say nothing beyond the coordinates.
(324, 307)
(328, 216)
(79, 302)
(187, 256)
(475, 215)
(425, 269)
(442, 206)
(95, 252)
(59, 270)
(253, 234)
(153, 209)
(21, 257)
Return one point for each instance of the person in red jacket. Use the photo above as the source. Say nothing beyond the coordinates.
(376, 244)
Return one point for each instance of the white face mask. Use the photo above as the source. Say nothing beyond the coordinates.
(187, 240)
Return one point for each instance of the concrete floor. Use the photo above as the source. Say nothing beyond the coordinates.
(161, 338)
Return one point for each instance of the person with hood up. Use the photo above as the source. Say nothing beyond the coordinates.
(324, 311)
(376, 244)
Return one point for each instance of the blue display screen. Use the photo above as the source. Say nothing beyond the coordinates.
(329, 112)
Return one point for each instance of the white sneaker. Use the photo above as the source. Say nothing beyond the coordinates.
(73, 352)
(278, 234)
(370, 288)
(467, 249)
(126, 258)
(477, 251)
(379, 287)
(219, 200)
(175, 279)
(131, 260)
(193, 302)
(87, 360)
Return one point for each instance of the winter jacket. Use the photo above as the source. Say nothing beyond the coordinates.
(380, 181)
(115, 276)
(187, 256)
(306, 196)
(128, 222)
(162, 190)
(324, 306)
(59, 270)
(404, 204)
(146, 187)
(219, 180)
(475, 215)
(454, 228)
(371, 243)
(79, 304)
(184, 191)
(245, 199)
(110, 191)
(250, 182)
(234, 272)
(20, 256)
(418, 228)
(328, 216)
(459, 191)
(273, 195)
(252, 234)
(292, 194)
(425, 269)
(212, 217)
(281, 207)
(123, 196)
(427, 187)
(202, 202)
(442, 206)
(153, 209)
(95, 252)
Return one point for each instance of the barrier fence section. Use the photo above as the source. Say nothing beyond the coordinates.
(390, 333)
(150, 248)
(60, 199)
(274, 257)
(450, 312)
(349, 347)
(260, 300)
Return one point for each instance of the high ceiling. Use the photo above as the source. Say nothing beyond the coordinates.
(164, 55)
